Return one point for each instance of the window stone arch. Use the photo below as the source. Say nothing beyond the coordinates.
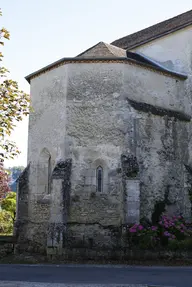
(100, 179)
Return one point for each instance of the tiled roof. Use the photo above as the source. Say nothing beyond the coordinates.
(102, 49)
(156, 31)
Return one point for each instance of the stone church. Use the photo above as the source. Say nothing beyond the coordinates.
(110, 139)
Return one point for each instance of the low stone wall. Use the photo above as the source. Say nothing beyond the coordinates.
(83, 254)
(6, 245)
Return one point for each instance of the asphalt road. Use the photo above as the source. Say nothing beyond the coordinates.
(95, 274)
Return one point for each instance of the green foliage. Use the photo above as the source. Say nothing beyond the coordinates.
(7, 213)
(183, 245)
(6, 222)
(173, 232)
(9, 204)
(14, 104)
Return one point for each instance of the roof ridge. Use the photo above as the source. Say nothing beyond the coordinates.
(113, 49)
(89, 49)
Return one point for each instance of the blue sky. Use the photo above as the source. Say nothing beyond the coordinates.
(43, 31)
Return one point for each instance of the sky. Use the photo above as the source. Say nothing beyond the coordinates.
(43, 31)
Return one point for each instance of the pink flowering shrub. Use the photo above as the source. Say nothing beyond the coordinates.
(174, 228)
(168, 229)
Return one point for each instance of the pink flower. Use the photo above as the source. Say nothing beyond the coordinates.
(154, 228)
(134, 226)
(166, 233)
(170, 238)
(140, 227)
(132, 230)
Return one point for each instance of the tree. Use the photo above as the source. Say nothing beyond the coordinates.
(9, 204)
(4, 182)
(7, 213)
(14, 104)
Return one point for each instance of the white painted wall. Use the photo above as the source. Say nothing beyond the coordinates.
(175, 47)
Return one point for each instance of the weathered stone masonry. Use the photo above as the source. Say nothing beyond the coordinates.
(109, 145)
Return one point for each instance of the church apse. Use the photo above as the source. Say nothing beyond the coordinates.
(121, 132)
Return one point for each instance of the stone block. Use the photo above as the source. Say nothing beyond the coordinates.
(87, 188)
(51, 251)
(133, 197)
(88, 180)
(133, 213)
(90, 173)
(132, 219)
(42, 189)
(132, 187)
(133, 205)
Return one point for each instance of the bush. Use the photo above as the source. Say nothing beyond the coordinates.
(9, 203)
(7, 213)
(173, 232)
(183, 245)
(6, 222)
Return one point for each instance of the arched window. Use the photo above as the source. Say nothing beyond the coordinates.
(49, 175)
(99, 179)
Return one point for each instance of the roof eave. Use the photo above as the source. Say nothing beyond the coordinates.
(125, 59)
(74, 59)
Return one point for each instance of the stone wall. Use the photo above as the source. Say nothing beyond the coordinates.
(60, 203)
(162, 153)
(22, 219)
(94, 138)
(175, 52)
(120, 255)
(6, 245)
(30, 232)
(93, 114)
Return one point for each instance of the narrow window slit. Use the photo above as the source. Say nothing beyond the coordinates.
(99, 179)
